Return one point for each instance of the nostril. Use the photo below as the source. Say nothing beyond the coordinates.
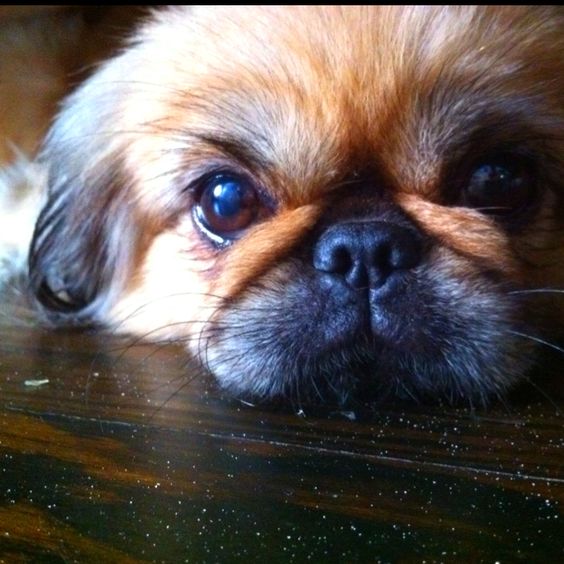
(382, 255)
(341, 261)
(334, 257)
(406, 254)
(366, 254)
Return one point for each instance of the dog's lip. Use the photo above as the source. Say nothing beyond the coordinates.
(374, 331)
(369, 318)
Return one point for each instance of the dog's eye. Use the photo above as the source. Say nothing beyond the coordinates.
(226, 207)
(500, 187)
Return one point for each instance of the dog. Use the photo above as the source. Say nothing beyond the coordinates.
(319, 202)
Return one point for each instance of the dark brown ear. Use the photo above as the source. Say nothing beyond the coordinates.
(80, 252)
(81, 244)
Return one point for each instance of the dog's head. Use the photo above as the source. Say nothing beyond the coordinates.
(317, 199)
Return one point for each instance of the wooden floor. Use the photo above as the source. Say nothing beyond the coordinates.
(110, 453)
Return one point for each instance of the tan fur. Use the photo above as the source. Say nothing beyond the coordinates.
(305, 101)
(482, 242)
(249, 262)
(305, 108)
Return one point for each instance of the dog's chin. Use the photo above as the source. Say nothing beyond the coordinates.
(437, 338)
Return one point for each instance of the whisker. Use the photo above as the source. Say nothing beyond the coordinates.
(174, 394)
(543, 394)
(139, 309)
(537, 291)
(538, 340)
(137, 341)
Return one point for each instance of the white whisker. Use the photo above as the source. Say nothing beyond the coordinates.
(538, 291)
(538, 340)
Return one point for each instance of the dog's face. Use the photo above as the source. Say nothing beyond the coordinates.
(318, 200)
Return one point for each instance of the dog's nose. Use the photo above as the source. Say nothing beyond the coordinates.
(367, 254)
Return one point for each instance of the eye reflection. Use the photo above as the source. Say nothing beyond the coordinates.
(227, 206)
(500, 186)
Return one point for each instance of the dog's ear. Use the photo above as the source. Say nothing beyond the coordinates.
(82, 245)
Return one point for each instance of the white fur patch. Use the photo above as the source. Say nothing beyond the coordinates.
(22, 195)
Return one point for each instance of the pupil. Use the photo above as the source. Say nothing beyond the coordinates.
(227, 206)
(494, 177)
(227, 199)
(500, 188)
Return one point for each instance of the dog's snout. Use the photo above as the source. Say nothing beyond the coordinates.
(367, 254)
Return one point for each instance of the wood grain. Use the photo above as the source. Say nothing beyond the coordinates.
(119, 455)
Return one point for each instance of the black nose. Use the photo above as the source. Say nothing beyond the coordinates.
(367, 254)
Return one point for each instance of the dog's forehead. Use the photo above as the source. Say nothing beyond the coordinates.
(311, 92)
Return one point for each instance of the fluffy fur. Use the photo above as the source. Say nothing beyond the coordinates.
(344, 119)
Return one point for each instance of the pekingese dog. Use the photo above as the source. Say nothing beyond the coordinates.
(318, 201)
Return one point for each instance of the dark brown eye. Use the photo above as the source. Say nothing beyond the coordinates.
(227, 206)
(500, 187)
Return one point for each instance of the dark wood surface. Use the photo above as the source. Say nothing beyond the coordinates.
(119, 456)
